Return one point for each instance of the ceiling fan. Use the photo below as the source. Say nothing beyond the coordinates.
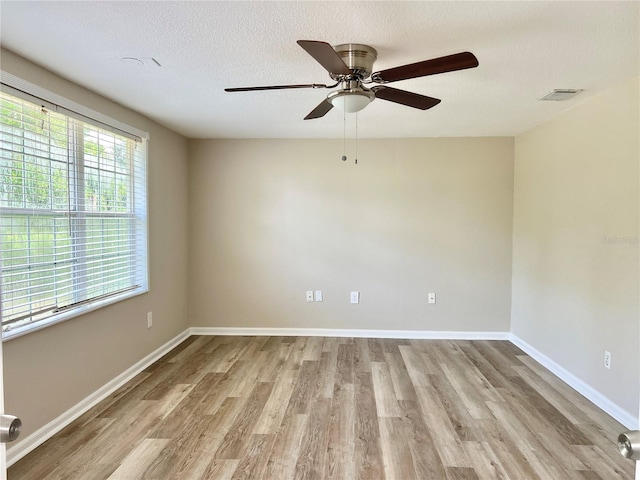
(351, 64)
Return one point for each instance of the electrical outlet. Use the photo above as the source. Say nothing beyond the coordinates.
(318, 296)
(149, 320)
(355, 297)
(431, 297)
(607, 359)
(309, 296)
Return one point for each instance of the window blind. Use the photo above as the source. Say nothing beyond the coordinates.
(73, 228)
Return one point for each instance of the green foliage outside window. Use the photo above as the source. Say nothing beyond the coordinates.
(55, 174)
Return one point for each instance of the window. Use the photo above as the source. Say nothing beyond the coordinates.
(73, 232)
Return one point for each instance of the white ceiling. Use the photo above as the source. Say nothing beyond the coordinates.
(525, 50)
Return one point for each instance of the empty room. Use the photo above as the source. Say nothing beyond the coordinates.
(320, 240)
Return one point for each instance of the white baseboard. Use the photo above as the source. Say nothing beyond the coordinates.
(356, 333)
(627, 419)
(37, 438)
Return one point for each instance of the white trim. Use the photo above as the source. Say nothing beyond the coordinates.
(356, 333)
(37, 438)
(587, 391)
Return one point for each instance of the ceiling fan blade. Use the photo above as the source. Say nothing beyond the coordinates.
(450, 63)
(320, 111)
(277, 87)
(403, 97)
(325, 55)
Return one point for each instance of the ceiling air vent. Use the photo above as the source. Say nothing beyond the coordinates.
(561, 94)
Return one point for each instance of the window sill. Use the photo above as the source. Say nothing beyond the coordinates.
(68, 315)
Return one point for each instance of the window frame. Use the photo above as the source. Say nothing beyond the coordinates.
(17, 87)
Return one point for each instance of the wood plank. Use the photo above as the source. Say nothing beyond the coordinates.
(385, 395)
(601, 463)
(463, 424)
(376, 350)
(220, 469)
(398, 462)
(329, 355)
(484, 461)
(512, 460)
(469, 396)
(525, 441)
(249, 374)
(449, 445)
(341, 435)
(419, 441)
(219, 426)
(297, 353)
(461, 473)
(254, 463)
(571, 398)
(417, 369)
(139, 459)
(276, 406)
(483, 364)
(344, 364)
(237, 439)
(284, 456)
(300, 398)
(275, 361)
(179, 456)
(74, 448)
(368, 453)
(313, 349)
(402, 383)
(313, 449)
(361, 359)
(536, 402)
(336, 408)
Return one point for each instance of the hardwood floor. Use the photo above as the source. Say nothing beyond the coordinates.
(278, 408)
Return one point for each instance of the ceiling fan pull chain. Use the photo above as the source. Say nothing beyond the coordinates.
(344, 136)
(356, 138)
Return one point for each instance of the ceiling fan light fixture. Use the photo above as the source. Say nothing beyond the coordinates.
(351, 101)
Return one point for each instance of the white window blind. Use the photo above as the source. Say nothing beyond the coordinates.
(73, 233)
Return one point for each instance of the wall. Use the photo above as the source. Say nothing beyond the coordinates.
(575, 242)
(270, 219)
(49, 371)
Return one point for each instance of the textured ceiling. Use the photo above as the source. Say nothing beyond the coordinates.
(525, 50)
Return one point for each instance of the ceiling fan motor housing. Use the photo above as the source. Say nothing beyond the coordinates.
(358, 57)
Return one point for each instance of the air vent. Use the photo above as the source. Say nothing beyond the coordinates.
(560, 94)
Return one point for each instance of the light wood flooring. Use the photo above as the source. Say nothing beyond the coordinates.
(278, 408)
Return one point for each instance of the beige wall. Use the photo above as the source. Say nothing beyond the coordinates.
(49, 371)
(575, 242)
(270, 219)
